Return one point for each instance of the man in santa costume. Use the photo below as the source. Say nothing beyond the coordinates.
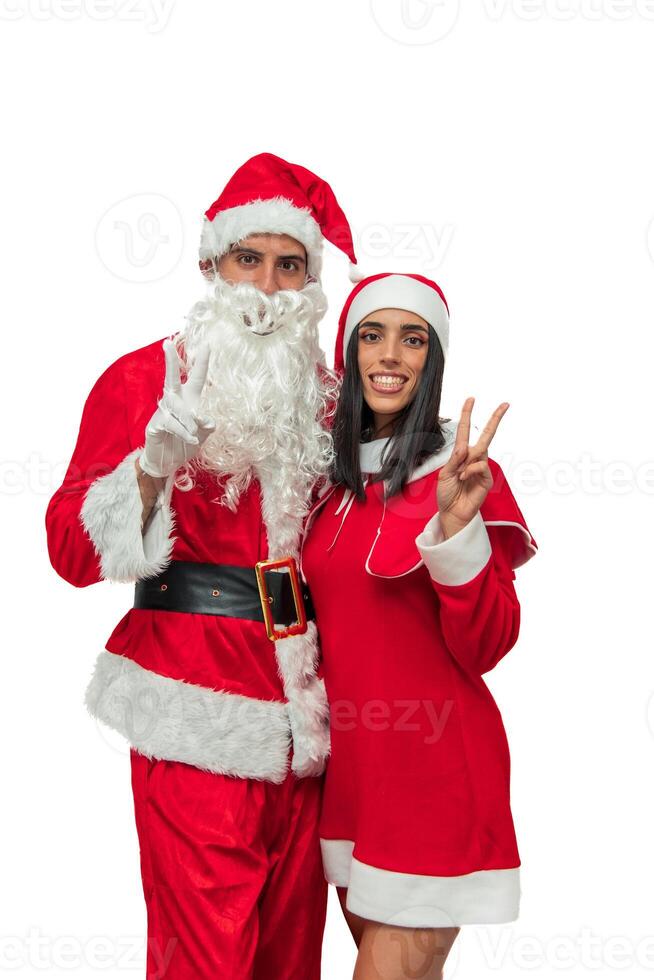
(194, 468)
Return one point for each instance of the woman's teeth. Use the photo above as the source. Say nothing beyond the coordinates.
(387, 381)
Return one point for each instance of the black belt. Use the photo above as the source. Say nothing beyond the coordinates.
(240, 591)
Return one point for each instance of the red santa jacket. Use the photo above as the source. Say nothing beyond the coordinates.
(207, 690)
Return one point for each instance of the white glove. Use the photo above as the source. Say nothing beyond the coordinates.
(176, 432)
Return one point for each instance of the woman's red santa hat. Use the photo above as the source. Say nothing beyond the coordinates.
(395, 291)
(271, 195)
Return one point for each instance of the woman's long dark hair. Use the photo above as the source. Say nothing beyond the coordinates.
(417, 433)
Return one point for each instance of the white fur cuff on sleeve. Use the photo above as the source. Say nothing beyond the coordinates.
(111, 516)
(455, 560)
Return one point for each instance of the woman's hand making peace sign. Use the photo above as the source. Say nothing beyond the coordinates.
(464, 481)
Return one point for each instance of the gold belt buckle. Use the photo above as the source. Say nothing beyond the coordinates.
(261, 568)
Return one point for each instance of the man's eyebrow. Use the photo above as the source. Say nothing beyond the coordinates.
(253, 251)
(405, 326)
(241, 248)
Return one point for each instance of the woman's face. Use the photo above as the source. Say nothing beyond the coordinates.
(392, 350)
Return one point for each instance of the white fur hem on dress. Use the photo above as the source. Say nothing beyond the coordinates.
(421, 901)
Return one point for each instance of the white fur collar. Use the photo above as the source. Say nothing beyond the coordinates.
(370, 453)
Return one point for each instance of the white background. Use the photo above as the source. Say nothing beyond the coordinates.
(505, 149)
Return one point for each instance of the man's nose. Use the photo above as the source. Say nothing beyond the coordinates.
(267, 278)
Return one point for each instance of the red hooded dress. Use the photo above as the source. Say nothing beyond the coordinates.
(416, 818)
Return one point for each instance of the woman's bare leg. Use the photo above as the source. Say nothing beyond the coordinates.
(396, 953)
(355, 922)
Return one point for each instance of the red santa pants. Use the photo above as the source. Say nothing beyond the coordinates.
(232, 873)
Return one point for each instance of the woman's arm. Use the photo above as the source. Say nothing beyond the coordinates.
(472, 575)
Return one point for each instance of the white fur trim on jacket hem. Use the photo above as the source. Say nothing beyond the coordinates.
(455, 560)
(308, 709)
(422, 901)
(166, 718)
(277, 215)
(111, 516)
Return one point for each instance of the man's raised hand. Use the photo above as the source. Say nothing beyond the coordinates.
(176, 431)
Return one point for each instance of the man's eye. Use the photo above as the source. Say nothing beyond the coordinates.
(289, 266)
(247, 259)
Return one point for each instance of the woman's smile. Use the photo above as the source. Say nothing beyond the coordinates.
(386, 383)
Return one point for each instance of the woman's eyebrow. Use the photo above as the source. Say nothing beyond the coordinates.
(405, 326)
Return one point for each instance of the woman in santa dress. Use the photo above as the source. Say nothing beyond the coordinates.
(409, 554)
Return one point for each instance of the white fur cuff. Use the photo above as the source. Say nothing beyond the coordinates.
(458, 559)
(111, 516)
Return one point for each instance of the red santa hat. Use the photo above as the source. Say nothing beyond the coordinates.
(396, 291)
(268, 194)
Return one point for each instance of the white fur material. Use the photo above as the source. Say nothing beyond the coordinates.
(308, 709)
(419, 900)
(171, 719)
(111, 516)
(456, 560)
(277, 216)
(297, 656)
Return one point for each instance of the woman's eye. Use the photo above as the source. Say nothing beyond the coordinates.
(419, 342)
(368, 335)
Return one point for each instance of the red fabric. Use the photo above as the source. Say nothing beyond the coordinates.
(339, 361)
(232, 873)
(266, 176)
(419, 770)
(394, 551)
(213, 651)
(115, 415)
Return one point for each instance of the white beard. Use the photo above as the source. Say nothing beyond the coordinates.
(266, 396)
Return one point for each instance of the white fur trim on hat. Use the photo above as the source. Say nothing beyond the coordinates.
(399, 292)
(277, 216)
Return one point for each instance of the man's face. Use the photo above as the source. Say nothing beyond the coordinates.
(269, 262)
